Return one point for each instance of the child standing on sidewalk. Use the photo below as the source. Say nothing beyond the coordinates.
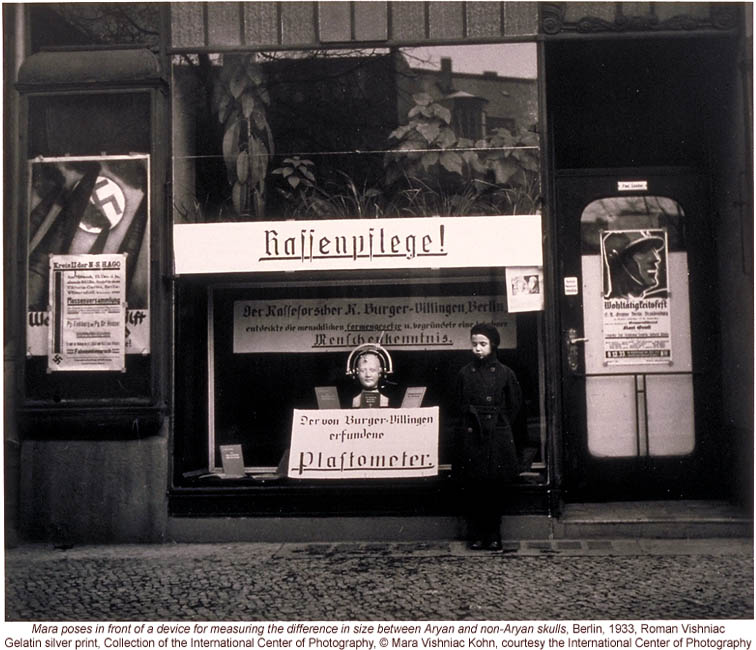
(489, 399)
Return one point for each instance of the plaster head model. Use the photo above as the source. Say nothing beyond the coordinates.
(369, 363)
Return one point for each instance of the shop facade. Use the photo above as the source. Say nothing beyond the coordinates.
(209, 206)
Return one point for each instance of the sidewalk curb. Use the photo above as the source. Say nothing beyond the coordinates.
(457, 549)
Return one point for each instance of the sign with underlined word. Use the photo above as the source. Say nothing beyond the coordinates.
(364, 443)
(343, 244)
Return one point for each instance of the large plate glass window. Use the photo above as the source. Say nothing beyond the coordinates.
(356, 133)
(346, 134)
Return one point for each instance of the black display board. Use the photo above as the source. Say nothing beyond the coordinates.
(251, 396)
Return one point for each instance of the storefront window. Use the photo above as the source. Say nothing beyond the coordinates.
(343, 136)
(255, 384)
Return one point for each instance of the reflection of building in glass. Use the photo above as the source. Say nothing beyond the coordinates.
(481, 103)
(336, 110)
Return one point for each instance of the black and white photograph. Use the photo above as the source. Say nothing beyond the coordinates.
(367, 325)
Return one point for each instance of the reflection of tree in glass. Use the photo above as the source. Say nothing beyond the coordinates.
(337, 111)
(333, 108)
(436, 171)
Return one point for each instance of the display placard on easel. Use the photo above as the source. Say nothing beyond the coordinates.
(327, 396)
(413, 397)
(233, 460)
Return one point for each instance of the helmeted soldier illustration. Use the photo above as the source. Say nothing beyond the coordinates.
(634, 263)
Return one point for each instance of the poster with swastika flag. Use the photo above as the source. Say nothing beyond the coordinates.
(89, 205)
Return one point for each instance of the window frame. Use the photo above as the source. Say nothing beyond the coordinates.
(107, 416)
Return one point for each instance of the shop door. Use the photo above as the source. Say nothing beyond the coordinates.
(638, 304)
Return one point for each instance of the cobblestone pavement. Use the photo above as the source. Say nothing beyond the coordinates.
(610, 579)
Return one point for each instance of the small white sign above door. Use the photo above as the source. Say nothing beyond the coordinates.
(632, 186)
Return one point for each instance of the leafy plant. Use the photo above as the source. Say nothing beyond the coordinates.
(240, 100)
(306, 199)
(425, 144)
(509, 165)
(510, 156)
(297, 172)
(419, 199)
(432, 171)
(428, 169)
(349, 200)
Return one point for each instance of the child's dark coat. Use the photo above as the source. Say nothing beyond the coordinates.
(489, 397)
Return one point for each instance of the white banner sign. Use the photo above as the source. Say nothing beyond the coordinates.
(327, 325)
(88, 294)
(337, 244)
(364, 443)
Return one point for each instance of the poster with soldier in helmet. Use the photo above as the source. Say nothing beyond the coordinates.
(636, 300)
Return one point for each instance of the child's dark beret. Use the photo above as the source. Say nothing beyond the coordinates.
(487, 330)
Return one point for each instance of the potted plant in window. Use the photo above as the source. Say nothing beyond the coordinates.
(240, 100)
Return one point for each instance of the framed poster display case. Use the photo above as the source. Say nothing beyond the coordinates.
(90, 168)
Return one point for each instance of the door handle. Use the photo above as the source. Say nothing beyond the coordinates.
(573, 338)
(573, 356)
